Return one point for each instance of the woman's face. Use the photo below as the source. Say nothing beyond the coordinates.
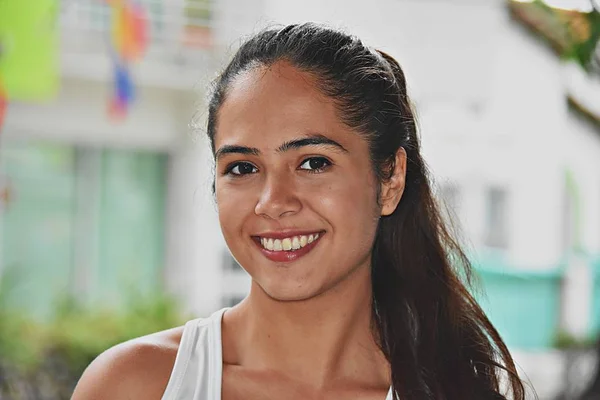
(295, 189)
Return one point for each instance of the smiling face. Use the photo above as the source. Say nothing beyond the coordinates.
(295, 188)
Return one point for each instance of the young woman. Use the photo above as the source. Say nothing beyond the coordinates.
(324, 199)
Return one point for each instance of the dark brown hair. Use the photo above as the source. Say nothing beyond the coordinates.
(439, 342)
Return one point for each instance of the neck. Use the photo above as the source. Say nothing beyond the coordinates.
(327, 338)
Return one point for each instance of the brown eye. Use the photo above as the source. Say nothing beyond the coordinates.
(241, 168)
(315, 164)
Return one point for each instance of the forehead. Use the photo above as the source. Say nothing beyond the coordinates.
(275, 103)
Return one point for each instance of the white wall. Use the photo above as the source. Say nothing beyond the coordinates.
(434, 41)
(194, 240)
(233, 21)
(528, 104)
(582, 153)
(79, 115)
(490, 101)
(510, 137)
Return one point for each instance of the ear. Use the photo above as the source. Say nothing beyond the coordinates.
(393, 188)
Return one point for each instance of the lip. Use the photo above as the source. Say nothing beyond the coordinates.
(286, 256)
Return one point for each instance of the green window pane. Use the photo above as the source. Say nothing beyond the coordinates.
(131, 223)
(37, 223)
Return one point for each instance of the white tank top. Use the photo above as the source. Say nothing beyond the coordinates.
(197, 373)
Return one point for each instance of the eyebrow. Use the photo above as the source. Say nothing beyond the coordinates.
(312, 140)
(232, 149)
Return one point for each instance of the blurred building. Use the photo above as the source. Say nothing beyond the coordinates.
(95, 204)
(97, 207)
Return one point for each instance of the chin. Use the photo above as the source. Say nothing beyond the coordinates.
(290, 292)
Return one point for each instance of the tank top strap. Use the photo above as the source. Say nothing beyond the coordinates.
(197, 372)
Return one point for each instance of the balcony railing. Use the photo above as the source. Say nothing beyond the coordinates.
(180, 32)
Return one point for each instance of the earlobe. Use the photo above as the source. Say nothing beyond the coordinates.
(393, 188)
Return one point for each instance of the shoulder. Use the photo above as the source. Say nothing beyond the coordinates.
(141, 366)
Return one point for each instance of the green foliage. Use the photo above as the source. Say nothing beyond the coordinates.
(584, 51)
(50, 356)
(20, 337)
(79, 334)
(566, 341)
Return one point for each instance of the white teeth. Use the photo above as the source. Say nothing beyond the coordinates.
(287, 244)
(295, 243)
(303, 241)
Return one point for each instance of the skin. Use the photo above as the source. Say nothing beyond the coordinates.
(304, 330)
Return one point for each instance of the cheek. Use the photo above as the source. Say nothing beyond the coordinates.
(231, 206)
(351, 203)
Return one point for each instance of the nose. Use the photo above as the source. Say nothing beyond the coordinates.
(278, 198)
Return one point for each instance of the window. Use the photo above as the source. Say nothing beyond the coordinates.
(36, 227)
(81, 221)
(496, 214)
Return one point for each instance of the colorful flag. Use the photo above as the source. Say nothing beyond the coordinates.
(129, 40)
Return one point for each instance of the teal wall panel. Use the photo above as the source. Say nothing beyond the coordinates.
(523, 305)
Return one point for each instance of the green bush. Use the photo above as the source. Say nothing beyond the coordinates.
(21, 338)
(566, 341)
(43, 360)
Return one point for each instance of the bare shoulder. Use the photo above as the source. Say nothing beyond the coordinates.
(136, 369)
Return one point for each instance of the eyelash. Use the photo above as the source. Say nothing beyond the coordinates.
(231, 167)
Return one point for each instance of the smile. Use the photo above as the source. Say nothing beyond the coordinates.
(288, 244)
(279, 248)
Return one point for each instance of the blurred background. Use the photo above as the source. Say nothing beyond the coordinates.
(108, 228)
